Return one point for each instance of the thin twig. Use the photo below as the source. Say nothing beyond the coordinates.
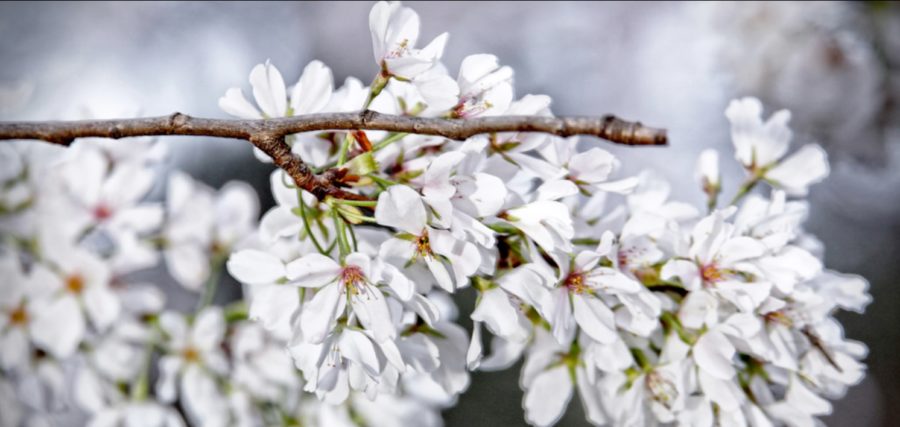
(268, 135)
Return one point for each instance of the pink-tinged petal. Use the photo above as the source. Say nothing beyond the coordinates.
(255, 267)
(313, 91)
(547, 397)
(188, 264)
(713, 353)
(313, 271)
(595, 318)
(360, 260)
(401, 207)
(269, 90)
(318, 317)
(58, 327)
(234, 103)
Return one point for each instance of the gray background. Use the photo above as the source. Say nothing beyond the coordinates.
(654, 62)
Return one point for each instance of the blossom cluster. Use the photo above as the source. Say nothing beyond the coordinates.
(656, 311)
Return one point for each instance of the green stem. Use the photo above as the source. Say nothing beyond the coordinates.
(745, 189)
(309, 231)
(345, 148)
(390, 139)
(212, 284)
(378, 84)
(384, 182)
(141, 387)
(365, 203)
(341, 229)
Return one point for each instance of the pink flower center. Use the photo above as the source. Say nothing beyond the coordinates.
(711, 273)
(352, 278)
(102, 212)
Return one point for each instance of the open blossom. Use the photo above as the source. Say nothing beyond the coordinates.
(760, 147)
(450, 261)
(604, 286)
(193, 357)
(336, 285)
(395, 31)
(203, 225)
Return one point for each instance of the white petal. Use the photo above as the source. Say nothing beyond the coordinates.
(313, 91)
(255, 267)
(795, 174)
(713, 353)
(372, 310)
(208, 329)
(592, 166)
(547, 397)
(58, 327)
(357, 347)
(473, 354)
(594, 318)
(235, 104)
(269, 90)
(318, 317)
(102, 306)
(501, 316)
(188, 264)
(313, 270)
(274, 307)
(401, 207)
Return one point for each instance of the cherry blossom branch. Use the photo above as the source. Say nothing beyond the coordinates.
(268, 135)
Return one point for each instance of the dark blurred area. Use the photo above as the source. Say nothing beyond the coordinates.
(673, 65)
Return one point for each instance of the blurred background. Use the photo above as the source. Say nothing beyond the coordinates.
(836, 66)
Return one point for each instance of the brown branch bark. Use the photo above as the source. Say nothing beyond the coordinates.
(268, 135)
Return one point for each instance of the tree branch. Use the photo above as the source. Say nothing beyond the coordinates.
(268, 135)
